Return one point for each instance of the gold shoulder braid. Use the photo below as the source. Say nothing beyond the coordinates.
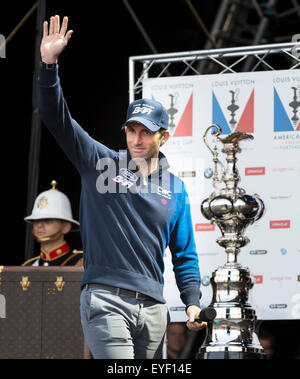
(75, 252)
(30, 260)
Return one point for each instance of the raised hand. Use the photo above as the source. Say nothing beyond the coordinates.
(55, 40)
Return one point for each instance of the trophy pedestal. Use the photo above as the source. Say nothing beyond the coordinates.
(231, 335)
(230, 355)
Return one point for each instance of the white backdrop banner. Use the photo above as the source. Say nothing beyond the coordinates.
(267, 105)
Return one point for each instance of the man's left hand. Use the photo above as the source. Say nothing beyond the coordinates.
(193, 312)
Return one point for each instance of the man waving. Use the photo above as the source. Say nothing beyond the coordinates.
(132, 208)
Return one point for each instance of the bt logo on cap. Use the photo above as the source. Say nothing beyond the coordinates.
(142, 110)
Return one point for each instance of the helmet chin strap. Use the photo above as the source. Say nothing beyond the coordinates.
(47, 238)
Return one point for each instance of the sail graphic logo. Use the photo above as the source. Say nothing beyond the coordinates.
(177, 95)
(286, 113)
(287, 119)
(184, 125)
(230, 115)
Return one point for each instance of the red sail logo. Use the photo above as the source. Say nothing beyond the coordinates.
(185, 124)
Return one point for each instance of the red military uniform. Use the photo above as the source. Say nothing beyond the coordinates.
(60, 256)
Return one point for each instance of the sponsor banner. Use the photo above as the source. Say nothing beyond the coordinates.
(267, 106)
(204, 227)
(255, 171)
(280, 224)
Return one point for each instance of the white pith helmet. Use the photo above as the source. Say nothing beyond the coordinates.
(52, 204)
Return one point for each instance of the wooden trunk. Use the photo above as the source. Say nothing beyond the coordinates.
(39, 313)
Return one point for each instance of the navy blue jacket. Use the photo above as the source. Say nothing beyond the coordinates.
(126, 222)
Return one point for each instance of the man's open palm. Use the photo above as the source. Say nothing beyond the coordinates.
(55, 39)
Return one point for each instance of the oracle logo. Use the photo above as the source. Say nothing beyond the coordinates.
(208, 227)
(255, 171)
(280, 224)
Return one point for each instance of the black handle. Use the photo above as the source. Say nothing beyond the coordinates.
(206, 315)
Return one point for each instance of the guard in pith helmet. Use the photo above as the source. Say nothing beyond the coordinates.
(52, 219)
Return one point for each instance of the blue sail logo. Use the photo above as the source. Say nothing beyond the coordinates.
(282, 122)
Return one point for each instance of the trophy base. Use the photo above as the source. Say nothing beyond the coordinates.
(230, 355)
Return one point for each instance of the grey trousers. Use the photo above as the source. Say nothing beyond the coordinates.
(118, 326)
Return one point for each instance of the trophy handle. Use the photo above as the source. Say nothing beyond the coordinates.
(216, 133)
(214, 153)
(261, 209)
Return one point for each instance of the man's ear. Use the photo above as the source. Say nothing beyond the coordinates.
(66, 227)
(165, 137)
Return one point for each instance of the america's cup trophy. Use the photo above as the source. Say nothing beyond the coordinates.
(231, 335)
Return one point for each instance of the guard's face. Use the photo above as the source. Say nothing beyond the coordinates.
(142, 143)
(49, 227)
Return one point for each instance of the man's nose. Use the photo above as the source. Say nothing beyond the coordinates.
(137, 139)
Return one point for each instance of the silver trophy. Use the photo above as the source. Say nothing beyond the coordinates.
(231, 335)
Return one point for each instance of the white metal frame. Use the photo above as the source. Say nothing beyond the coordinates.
(234, 54)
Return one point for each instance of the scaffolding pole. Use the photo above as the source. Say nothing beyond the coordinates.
(35, 136)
